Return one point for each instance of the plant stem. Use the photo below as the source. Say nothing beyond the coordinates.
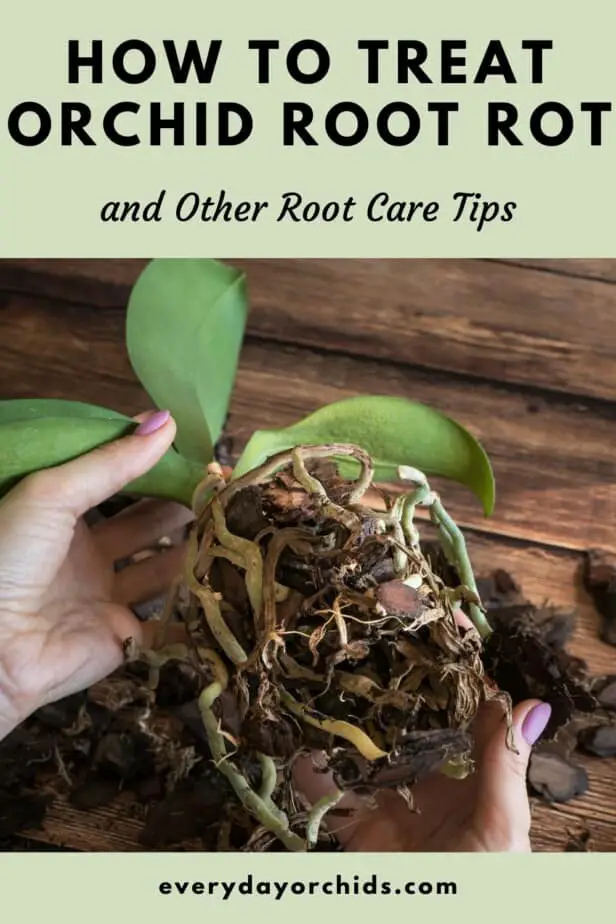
(218, 627)
(250, 553)
(268, 777)
(314, 488)
(462, 562)
(318, 813)
(241, 479)
(358, 738)
(253, 803)
(450, 536)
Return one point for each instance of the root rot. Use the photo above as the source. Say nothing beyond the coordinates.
(316, 622)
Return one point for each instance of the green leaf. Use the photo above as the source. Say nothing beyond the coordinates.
(184, 331)
(31, 441)
(394, 432)
(32, 408)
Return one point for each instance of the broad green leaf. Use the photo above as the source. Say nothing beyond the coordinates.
(184, 331)
(32, 443)
(394, 432)
(32, 408)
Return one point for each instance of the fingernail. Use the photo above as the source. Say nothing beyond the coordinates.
(153, 423)
(535, 722)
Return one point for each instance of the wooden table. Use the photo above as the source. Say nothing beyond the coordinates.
(523, 353)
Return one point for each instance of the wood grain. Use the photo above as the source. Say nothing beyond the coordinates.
(582, 269)
(554, 460)
(544, 575)
(483, 320)
(493, 320)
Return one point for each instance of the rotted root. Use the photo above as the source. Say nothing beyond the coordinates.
(257, 563)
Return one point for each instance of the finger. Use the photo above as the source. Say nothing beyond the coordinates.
(139, 527)
(149, 578)
(486, 724)
(504, 807)
(77, 486)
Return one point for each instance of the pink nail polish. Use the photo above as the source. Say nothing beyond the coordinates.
(536, 722)
(153, 423)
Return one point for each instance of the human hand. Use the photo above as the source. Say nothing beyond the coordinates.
(486, 812)
(64, 612)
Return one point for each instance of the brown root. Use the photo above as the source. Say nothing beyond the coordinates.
(326, 627)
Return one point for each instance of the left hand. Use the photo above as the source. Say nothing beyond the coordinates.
(64, 611)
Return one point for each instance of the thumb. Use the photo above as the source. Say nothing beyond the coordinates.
(503, 812)
(85, 482)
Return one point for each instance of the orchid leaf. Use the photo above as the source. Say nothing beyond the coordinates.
(184, 330)
(36, 435)
(395, 432)
(34, 408)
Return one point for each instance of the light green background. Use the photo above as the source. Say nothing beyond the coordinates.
(51, 197)
(100, 888)
(49, 204)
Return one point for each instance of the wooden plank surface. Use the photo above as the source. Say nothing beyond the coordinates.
(493, 320)
(554, 460)
(522, 354)
(583, 269)
(111, 278)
